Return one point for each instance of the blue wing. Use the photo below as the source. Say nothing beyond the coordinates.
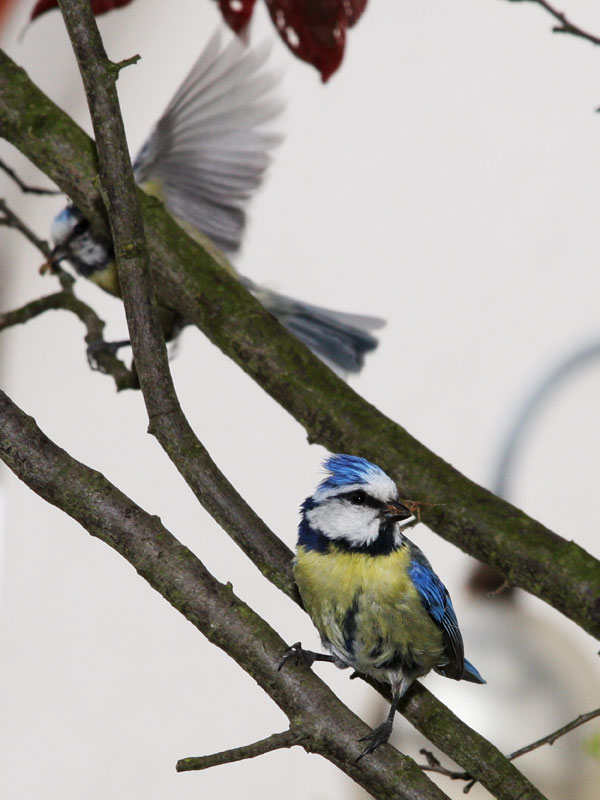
(437, 603)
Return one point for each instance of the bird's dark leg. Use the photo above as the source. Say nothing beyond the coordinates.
(381, 734)
(306, 657)
(112, 348)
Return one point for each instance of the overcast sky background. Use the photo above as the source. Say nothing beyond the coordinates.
(446, 179)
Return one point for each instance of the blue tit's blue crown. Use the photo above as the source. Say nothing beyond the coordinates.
(347, 470)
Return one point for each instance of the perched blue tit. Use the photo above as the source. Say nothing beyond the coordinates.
(373, 596)
(205, 158)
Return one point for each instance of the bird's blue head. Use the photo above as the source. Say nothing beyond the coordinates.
(356, 506)
(345, 471)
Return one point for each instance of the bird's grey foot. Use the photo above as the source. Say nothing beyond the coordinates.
(96, 349)
(376, 738)
(304, 657)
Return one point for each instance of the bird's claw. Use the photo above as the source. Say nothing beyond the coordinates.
(299, 656)
(95, 350)
(376, 738)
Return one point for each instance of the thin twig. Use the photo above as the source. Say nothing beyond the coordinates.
(12, 220)
(566, 26)
(167, 421)
(101, 355)
(276, 741)
(552, 737)
(190, 281)
(328, 727)
(23, 186)
(434, 764)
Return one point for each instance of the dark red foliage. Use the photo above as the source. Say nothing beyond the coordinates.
(236, 13)
(98, 6)
(315, 30)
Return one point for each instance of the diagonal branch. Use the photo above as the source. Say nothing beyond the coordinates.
(276, 741)
(565, 25)
(25, 188)
(552, 737)
(188, 279)
(226, 621)
(167, 421)
(180, 577)
(11, 220)
(434, 765)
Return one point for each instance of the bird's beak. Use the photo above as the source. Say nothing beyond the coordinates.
(396, 511)
(57, 254)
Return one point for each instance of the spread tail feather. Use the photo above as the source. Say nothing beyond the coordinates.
(341, 340)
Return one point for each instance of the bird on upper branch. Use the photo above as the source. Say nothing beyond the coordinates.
(373, 596)
(204, 159)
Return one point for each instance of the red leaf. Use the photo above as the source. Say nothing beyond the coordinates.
(315, 30)
(236, 13)
(98, 6)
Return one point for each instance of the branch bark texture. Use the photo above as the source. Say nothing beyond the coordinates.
(324, 725)
(188, 279)
(167, 420)
(321, 722)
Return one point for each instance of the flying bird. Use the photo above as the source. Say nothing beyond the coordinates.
(205, 158)
(371, 593)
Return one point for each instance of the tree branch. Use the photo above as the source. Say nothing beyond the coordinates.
(187, 279)
(227, 622)
(565, 25)
(276, 741)
(101, 355)
(552, 737)
(23, 186)
(434, 765)
(11, 220)
(167, 421)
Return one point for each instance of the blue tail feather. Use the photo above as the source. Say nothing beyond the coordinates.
(470, 673)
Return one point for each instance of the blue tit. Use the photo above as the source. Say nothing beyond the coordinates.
(373, 596)
(205, 158)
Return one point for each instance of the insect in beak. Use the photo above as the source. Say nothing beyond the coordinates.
(58, 254)
(396, 511)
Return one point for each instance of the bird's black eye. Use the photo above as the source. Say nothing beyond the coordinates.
(80, 228)
(357, 498)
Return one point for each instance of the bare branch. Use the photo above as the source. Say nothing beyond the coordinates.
(552, 737)
(226, 621)
(434, 764)
(170, 420)
(11, 220)
(167, 421)
(23, 186)
(188, 279)
(101, 355)
(565, 26)
(276, 741)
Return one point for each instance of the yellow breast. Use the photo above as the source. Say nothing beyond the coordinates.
(367, 609)
(107, 278)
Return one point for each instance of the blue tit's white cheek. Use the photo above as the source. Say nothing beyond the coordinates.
(91, 252)
(339, 519)
(62, 225)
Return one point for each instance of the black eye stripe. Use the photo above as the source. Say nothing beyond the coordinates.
(360, 498)
(80, 228)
